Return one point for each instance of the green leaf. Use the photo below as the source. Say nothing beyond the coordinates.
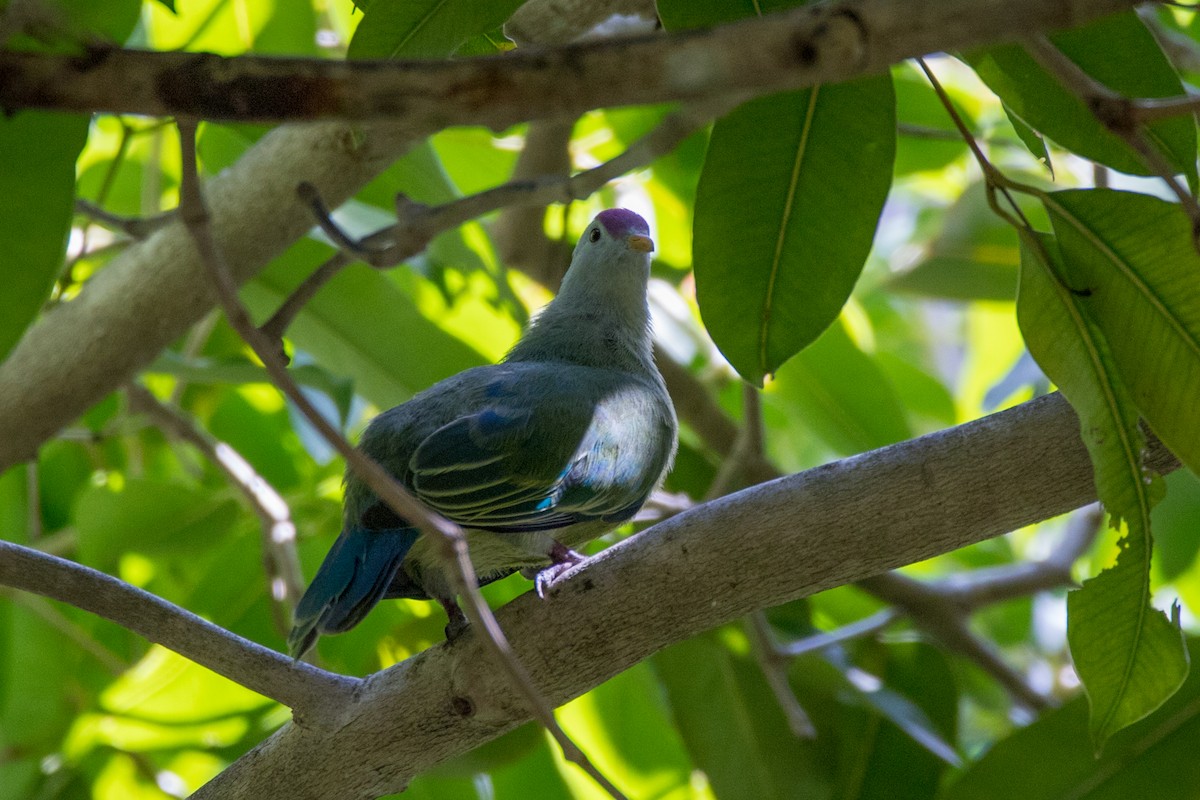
(425, 28)
(1052, 759)
(149, 516)
(1133, 257)
(786, 211)
(37, 196)
(1129, 656)
(1175, 541)
(1032, 139)
(625, 727)
(1120, 53)
(840, 394)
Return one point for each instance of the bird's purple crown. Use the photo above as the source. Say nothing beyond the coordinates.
(621, 222)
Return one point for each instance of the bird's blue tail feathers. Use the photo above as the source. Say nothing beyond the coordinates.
(353, 577)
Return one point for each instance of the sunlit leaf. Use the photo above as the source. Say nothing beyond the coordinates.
(1175, 541)
(425, 28)
(786, 211)
(732, 725)
(928, 139)
(1129, 656)
(973, 256)
(838, 392)
(363, 326)
(40, 149)
(1132, 256)
(148, 516)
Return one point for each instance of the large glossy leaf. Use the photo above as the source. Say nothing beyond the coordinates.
(1129, 656)
(37, 195)
(1119, 52)
(1133, 257)
(786, 211)
(1052, 759)
(425, 28)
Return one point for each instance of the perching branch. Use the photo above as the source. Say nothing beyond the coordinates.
(314, 695)
(860, 517)
(453, 549)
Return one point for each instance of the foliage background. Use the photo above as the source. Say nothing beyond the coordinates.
(928, 338)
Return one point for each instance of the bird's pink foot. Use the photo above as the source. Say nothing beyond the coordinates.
(562, 558)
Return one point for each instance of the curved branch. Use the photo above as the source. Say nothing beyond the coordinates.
(313, 694)
(763, 546)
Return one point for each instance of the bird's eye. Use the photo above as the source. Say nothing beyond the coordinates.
(594, 236)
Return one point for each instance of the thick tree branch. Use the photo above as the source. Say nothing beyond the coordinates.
(763, 546)
(313, 694)
(827, 42)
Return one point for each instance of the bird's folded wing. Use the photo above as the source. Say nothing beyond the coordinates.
(508, 470)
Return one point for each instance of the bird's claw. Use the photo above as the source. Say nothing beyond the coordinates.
(562, 559)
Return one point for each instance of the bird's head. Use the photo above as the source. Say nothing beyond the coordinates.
(622, 226)
(602, 300)
(613, 254)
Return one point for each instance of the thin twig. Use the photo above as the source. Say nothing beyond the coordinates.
(1120, 115)
(854, 630)
(308, 691)
(133, 227)
(452, 542)
(33, 502)
(417, 224)
(747, 448)
(275, 327)
(948, 625)
(282, 564)
(774, 664)
(982, 587)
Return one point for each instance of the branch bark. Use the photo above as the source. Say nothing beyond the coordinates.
(762, 546)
